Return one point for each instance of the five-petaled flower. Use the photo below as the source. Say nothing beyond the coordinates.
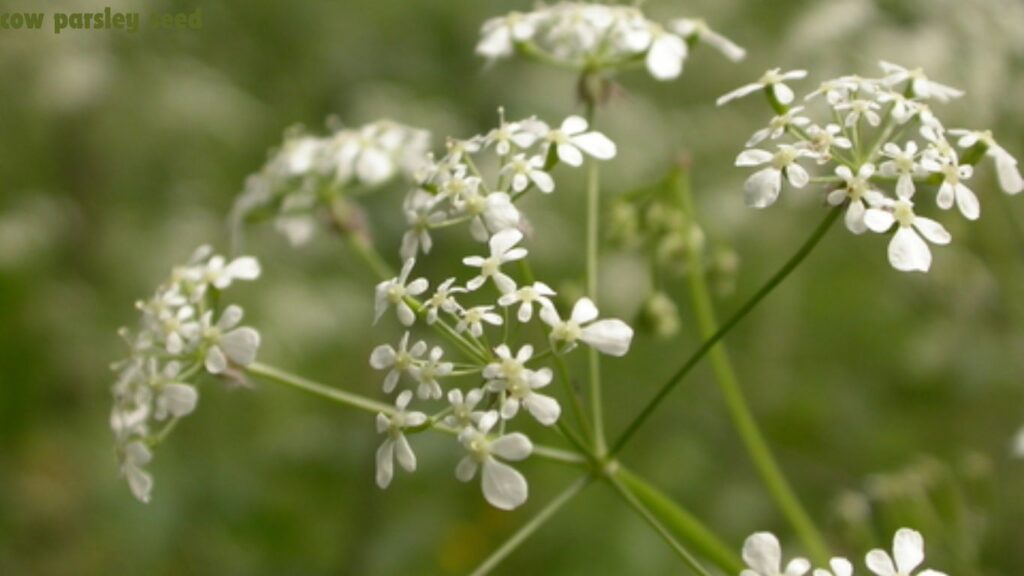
(394, 292)
(504, 487)
(611, 337)
(396, 446)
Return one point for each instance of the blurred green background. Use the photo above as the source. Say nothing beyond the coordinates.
(891, 399)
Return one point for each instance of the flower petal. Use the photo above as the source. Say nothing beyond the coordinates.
(611, 337)
(504, 487)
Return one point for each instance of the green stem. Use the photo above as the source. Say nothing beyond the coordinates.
(594, 359)
(574, 398)
(532, 526)
(318, 389)
(739, 411)
(768, 287)
(656, 524)
(685, 526)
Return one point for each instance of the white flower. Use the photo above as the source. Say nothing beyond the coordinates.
(463, 411)
(504, 487)
(840, 567)
(857, 191)
(763, 556)
(903, 166)
(824, 139)
(367, 154)
(428, 371)
(227, 343)
(508, 134)
(778, 126)
(474, 317)
(908, 552)
(443, 300)
(178, 326)
(1006, 165)
(503, 250)
(666, 54)
(525, 171)
(907, 251)
(384, 357)
(903, 108)
(771, 80)
(953, 188)
(396, 446)
(421, 217)
(175, 399)
(500, 35)
(698, 28)
(608, 336)
(220, 273)
(539, 293)
(510, 375)
(762, 188)
(572, 140)
(491, 213)
(133, 459)
(836, 90)
(393, 293)
(920, 84)
(868, 109)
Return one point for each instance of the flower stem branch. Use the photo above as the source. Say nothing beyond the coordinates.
(729, 324)
(656, 524)
(685, 526)
(527, 530)
(739, 411)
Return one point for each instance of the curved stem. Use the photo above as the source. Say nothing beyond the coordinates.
(532, 526)
(685, 526)
(729, 324)
(739, 411)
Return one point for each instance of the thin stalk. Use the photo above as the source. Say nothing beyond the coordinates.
(318, 389)
(527, 530)
(656, 524)
(574, 398)
(729, 324)
(684, 525)
(594, 359)
(739, 411)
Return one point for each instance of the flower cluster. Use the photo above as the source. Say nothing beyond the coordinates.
(310, 172)
(763, 556)
(882, 148)
(182, 333)
(508, 378)
(585, 36)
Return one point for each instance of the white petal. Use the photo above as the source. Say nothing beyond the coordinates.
(466, 469)
(544, 408)
(140, 482)
(404, 454)
(515, 446)
(504, 487)
(178, 400)
(385, 463)
(738, 93)
(1009, 175)
(382, 357)
(570, 154)
(665, 57)
(908, 252)
(244, 268)
(855, 217)
(879, 220)
(945, 196)
(762, 553)
(215, 361)
(596, 144)
(797, 567)
(753, 157)
(762, 188)
(405, 314)
(783, 93)
(374, 166)
(932, 230)
(967, 202)
(878, 561)
(545, 183)
(241, 345)
(504, 240)
(574, 125)
(230, 318)
(797, 176)
(608, 336)
(908, 549)
(584, 311)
